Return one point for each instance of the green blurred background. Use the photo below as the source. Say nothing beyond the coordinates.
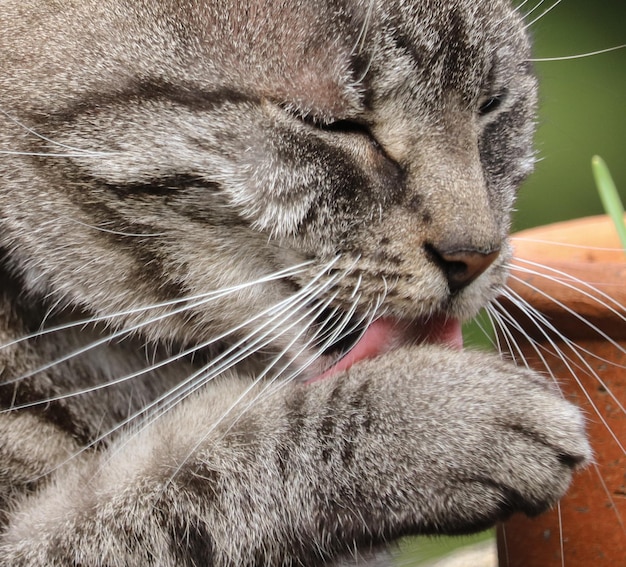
(583, 110)
(583, 113)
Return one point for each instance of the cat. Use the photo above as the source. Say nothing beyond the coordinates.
(237, 242)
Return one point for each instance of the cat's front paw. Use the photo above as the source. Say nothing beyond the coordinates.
(488, 439)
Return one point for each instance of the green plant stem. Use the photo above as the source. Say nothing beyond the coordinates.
(609, 196)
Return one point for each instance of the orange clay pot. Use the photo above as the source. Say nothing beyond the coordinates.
(591, 531)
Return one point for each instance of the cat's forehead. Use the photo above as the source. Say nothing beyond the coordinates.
(448, 47)
(325, 56)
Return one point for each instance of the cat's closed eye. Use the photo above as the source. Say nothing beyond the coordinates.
(343, 126)
(491, 104)
(346, 126)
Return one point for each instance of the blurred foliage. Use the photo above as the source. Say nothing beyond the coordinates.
(582, 113)
(415, 551)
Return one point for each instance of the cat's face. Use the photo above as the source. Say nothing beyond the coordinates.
(202, 145)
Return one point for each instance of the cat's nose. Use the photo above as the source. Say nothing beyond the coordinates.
(462, 266)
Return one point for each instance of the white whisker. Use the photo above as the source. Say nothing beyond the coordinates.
(607, 492)
(117, 232)
(546, 11)
(511, 345)
(285, 306)
(51, 154)
(360, 41)
(533, 9)
(235, 354)
(519, 7)
(543, 326)
(120, 334)
(515, 239)
(213, 295)
(590, 296)
(478, 321)
(78, 151)
(568, 281)
(492, 321)
(561, 539)
(271, 388)
(311, 315)
(578, 56)
(570, 311)
(506, 320)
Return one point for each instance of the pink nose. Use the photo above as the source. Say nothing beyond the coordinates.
(461, 267)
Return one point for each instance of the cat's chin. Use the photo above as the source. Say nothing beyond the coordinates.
(386, 334)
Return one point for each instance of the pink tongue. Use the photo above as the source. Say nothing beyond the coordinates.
(385, 334)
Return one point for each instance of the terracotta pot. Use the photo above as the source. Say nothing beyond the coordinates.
(589, 527)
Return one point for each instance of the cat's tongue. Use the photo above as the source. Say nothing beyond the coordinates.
(386, 334)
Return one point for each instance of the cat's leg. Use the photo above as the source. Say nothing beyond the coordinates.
(420, 440)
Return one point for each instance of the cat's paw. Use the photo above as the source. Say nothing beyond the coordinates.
(487, 438)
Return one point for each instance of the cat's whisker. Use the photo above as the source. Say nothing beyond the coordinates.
(279, 317)
(190, 388)
(579, 55)
(328, 336)
(278, 374)
(561, 538)
(51, 154)
(504, 543)
(274, 384)
(281, 380)
(584, 366)
(493, 321)
(571, 343)
(360, 41)
(372, 313)
(578, 349)
(165, 402)
(544, 326)
(523, 306)
(49, 312)
(480, 323)
(213, 295)
(310, 315)
(79, 152)
(117, 232)
(609, 496)
(507, 323)
(576, 284)
(154, 366)
(518, 8)
(505, 333)
(551, 243)
(532, 9)
(285, 306)
(342, 328)
(120, 334)
(545, 12)
(579, 317)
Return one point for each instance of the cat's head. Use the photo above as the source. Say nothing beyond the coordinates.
(177, 148)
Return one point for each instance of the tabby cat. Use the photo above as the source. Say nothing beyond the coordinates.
(237, 241)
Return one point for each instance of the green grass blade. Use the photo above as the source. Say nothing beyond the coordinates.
(609, 196)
